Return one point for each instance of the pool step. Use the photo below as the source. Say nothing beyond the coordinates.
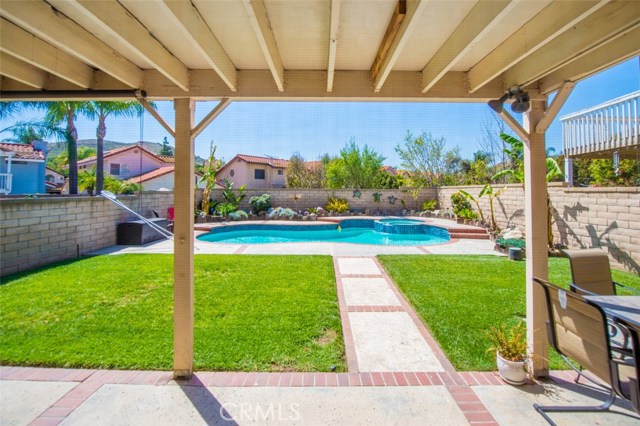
(469, 233)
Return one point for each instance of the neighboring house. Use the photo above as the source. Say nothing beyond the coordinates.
(389, 170)
(254, 172)
(161, 179)
(125, 163)
(54, 181)
(22, 168)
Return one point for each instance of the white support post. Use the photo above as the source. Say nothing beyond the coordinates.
(568, 171)
(536, 239)
(183, 240)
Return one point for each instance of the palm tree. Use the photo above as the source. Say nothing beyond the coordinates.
(101, 110)
(56, 113)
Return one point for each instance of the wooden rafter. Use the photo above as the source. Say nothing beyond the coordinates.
(157, 116)
(28, 48)
(40, 19)
(262, 29)
(608, 54)
(551, 112)
(486, 14)
(399, 13)
(333, 42)
(112, 19)
(398, 41)
(514, 125)
(552, 21)
(213, 114)
(612, 19)
(21, 71)
(194, 27)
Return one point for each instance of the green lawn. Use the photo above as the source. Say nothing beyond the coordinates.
(459, 297)
(252, 313)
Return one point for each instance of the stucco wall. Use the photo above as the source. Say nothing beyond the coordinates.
(38, 231)
(583, 217)
(28, 176)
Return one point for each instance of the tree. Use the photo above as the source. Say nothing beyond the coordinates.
(101, 110)
(354, 168)
(209, 172)
(166, 148)
(56, 113)
(301, 174)
(516, 154)
(427, 159)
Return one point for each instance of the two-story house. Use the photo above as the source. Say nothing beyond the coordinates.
(22, 168)
(254, 172)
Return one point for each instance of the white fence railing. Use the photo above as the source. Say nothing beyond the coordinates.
(5, 183)
(609, 126)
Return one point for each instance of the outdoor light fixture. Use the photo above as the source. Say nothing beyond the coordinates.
(520, 104)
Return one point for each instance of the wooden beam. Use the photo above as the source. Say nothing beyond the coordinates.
(611, 19)
(399, 13)
(333, 42)
(113, 24)
(183, 241)
(213, 114)
(552, 21)
(536, 214)
(261, 27)
(485, 15)
(194, 28)
(558, 101)
(415, 9)
(42, 20)
(29, 48)
(21, 71)
(157, 116)
(607, 55)
(514, 125)
(401, 86)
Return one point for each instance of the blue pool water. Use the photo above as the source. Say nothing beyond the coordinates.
(355, 231)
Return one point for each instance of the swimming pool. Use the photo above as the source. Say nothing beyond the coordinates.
(354, 231)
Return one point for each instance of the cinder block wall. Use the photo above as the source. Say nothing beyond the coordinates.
(37, 231)
(583, 217)
(309, 198)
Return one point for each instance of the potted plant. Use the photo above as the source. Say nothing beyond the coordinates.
(510, 346)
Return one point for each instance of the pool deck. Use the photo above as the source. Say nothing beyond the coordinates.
(455, 246)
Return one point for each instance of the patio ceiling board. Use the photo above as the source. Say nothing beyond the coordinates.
(484, 16)
(29, 48)
(23, 72)
(552, 21)
(113, 24)
(40, 19)
(607, 22)
(165, 47)
(626, 46)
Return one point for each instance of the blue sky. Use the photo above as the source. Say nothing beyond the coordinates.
(280, 128)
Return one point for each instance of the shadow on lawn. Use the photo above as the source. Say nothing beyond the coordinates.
(210, 409)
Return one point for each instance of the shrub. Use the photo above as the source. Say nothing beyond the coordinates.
(459, 202)
(337, 205)
(467, 214)
(280, 212)
(260, 203)
(511, 242)
(430, 204)
(225, 208)
(238, 215)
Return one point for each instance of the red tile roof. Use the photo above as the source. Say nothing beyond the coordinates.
(389, 169)
(273, 162)
(22, 151)
(111, 153)
(152, 174)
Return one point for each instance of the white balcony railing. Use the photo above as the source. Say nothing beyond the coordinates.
(609, 126)
(5, 183)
